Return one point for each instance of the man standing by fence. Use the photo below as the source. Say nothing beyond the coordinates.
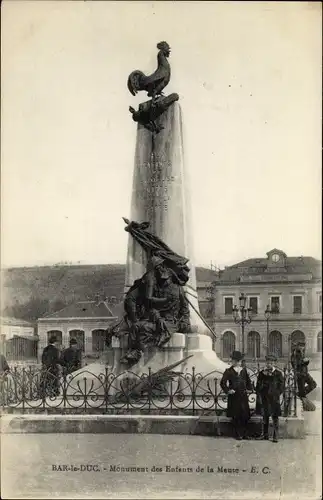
(270, 386)
(305, 383)
(71, 358)
(49, 384)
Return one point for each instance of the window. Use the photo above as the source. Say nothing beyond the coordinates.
(275, 343)
(319, 342)
(98, 340)
(275, 305)
(253, 345)
(297, 304)
(228, 305)
(320, 303)
(253, 304)
(229, 344)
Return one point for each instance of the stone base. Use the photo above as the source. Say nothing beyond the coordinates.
(290, 428)
(204, 360)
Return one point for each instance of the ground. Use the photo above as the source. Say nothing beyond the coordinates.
(291, 468)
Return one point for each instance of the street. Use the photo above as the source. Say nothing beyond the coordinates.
(161, 466)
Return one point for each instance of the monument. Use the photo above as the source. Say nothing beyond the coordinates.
(162, 324)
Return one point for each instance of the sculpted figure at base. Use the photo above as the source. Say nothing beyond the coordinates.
(155, 306)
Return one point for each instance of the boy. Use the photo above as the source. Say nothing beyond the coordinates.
(270, 385)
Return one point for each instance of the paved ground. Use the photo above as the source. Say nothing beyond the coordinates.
(289, 469)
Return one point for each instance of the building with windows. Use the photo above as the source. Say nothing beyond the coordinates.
(291, 289)
(85, 321)
(18, 341)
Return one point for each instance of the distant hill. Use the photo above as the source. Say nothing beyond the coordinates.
(30, 292)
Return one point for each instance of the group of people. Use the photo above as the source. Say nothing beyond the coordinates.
(236, 383)
(56, 362)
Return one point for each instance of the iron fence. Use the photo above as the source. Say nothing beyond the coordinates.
(35, 390)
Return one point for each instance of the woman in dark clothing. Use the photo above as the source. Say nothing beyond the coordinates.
(237, 385)
(50, 370)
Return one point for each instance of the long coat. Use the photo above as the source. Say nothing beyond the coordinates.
(71, 360)
(49, 384)
(238, 404)
(270, 385)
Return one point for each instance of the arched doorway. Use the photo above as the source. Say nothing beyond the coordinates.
(98, 340)
(319, 342)
(228, 344)
(275, 343)
(55, 333)
(297, 336)
(253, 345)
(79, 336)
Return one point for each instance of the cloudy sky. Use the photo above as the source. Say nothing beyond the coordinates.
(249, 80)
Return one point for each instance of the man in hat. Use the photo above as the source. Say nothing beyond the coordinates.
(237, 385)
(305, 383)
(71, 358)
(269, 387)
(50, 369)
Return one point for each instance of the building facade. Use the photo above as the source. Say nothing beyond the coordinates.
(290, 287)
(85, 321)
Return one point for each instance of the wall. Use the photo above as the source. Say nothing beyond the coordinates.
(65, 326)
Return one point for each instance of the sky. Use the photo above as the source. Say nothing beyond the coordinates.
(249, 80)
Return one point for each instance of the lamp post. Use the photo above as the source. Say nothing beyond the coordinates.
(268, 313)
(242, 315)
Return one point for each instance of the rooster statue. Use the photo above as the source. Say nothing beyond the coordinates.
(157, 81)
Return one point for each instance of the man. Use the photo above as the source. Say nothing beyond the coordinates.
(270, 386)
(237, 385)
(305, 383)
(4, 370)
(4, 367)
(71, 358)
(50, 367)
(155, 307)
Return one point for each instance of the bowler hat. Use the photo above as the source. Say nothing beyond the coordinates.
(271, 357)
(52, 340)
(301, 343)
(73, 342)
(236, 356)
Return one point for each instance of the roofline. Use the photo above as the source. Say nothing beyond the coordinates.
(78, 318)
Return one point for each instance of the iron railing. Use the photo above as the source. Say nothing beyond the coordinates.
(35, 390)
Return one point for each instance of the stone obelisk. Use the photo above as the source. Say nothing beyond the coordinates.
(160, 196)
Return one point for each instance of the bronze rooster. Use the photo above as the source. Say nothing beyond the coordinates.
(157, 81)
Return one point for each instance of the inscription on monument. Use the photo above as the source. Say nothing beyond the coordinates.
(154, 190)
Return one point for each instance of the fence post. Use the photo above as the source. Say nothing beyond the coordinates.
(23, 388)
(149, 390)
(193, 389)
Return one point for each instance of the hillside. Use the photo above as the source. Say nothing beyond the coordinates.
(30, 292)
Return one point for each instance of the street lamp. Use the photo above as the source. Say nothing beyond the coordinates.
(268, 313)
(242, 315)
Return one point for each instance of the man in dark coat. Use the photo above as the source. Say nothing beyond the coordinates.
(270, 386)
(305, 383)
(4, 367)
(237, 385)
(50, 369)
(71, 358)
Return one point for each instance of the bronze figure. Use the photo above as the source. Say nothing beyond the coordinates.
(147, 113)
(157, 81)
